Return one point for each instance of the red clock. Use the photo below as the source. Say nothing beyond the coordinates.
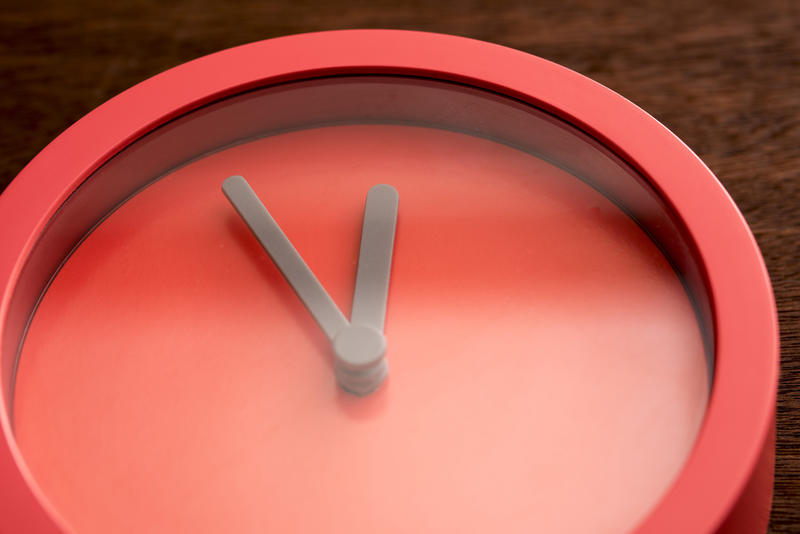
(453, 288)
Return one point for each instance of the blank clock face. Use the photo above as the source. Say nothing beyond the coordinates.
(548, 370)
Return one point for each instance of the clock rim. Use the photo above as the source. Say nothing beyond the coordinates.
(740, 413)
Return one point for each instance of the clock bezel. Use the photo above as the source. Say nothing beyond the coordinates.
(735, 436)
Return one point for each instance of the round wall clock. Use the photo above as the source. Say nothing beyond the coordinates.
(380, 281)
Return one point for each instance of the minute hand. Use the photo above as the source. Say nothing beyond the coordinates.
(285, 256)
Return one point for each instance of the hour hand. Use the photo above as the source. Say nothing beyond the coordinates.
(375, 257)
(360, 363)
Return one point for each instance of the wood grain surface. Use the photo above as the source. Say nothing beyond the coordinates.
(723, 75)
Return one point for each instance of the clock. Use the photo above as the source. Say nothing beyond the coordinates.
(388, 281)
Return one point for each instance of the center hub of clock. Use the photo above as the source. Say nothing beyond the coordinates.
(359, 363)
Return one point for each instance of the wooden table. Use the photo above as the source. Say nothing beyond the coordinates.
(724, 76)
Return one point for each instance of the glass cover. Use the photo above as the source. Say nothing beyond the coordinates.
(548, 334)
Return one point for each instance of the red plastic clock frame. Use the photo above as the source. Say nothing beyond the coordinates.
(726, 484)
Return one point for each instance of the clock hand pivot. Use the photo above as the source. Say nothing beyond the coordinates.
(359, 364)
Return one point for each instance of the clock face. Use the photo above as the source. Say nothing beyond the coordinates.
(547, 350)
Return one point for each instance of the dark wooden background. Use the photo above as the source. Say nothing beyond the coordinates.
(723, 75)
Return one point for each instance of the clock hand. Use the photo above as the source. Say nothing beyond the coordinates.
(375, 257)
(285, 256)
(359, 348)
(360, 365)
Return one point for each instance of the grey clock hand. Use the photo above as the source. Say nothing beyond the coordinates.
(360, 365)
(359, 348)
(285, 256)
(375, 257)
